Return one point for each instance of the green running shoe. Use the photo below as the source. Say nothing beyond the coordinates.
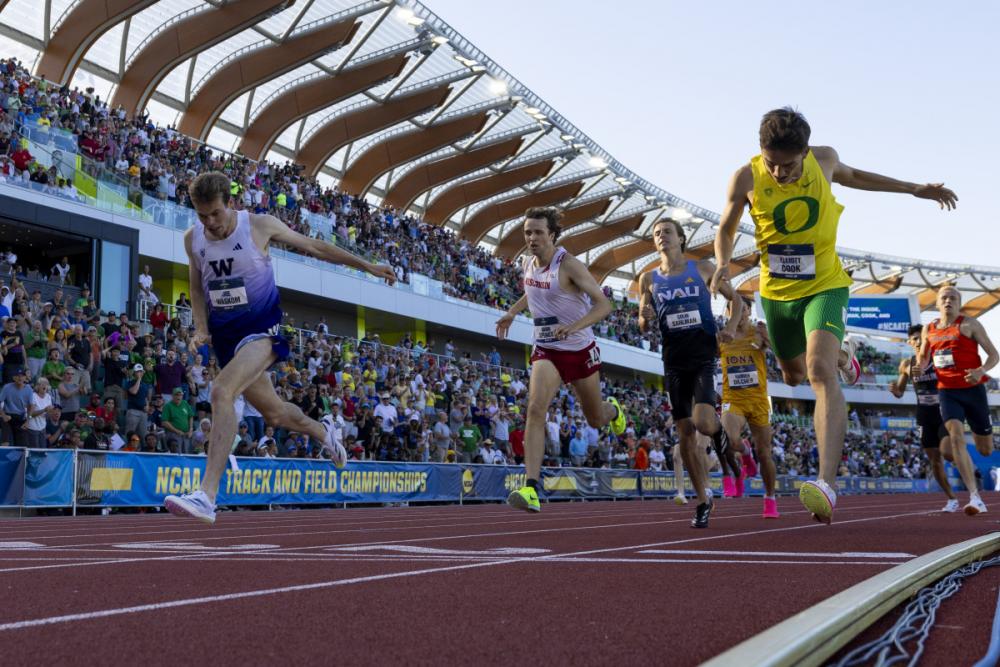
(525, 499)
(618, 424)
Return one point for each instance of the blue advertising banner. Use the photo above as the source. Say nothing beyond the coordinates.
(132, 479)
(11, 476)
(48, 478)
(883, 314)
(36, 477)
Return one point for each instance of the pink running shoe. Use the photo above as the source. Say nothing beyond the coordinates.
(771, 508)
(728, 488)
(749, 465)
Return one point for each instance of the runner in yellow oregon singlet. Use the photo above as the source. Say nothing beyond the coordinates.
(803, 287)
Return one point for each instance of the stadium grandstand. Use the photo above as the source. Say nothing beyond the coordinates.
(375, 126)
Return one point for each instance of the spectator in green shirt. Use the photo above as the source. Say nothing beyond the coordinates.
(470, 435)
(178, 423)
(53, 369)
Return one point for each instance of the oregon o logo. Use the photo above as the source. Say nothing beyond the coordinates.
(468, 483)
(781, 223)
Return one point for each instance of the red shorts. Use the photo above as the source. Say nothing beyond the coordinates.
(572, 364)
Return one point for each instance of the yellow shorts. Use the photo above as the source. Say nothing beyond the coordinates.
(756, 410)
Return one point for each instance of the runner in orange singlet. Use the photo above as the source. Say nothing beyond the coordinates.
(952, 341)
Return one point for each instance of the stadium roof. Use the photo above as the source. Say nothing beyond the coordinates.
(389, 100)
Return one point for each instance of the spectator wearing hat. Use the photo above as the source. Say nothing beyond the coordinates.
(137, 395)
(15, 401)
(178, 423)
(387, 411)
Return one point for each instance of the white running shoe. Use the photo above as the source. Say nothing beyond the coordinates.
(333, 448)
(820, 499)
(850, 374)
(952, 506)
(680, 499)
(975, 506)
(194, 504)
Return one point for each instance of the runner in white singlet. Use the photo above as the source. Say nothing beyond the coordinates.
(565, 302)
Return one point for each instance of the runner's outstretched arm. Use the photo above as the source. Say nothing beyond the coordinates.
(729, 222)
(705, 267)
(503, 324)
(866, 180)
(277, 231)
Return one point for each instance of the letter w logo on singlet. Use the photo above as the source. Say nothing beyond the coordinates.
(222, 267)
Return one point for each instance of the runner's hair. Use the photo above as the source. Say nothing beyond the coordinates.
(550, 214)
(206, 187)
(914, 330)
(677, 226)
(784, 129)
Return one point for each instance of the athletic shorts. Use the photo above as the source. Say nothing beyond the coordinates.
(572, 365)
(226, 347)
(967, 405)
(789, 323)
(688, 387)
(932, 428)
(757, 412)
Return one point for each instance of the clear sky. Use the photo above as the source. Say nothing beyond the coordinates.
(675, 91)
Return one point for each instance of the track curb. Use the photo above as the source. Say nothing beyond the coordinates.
(815, 634)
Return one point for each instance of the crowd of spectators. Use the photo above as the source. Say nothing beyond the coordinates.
(159, 162)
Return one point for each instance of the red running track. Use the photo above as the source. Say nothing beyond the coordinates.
(580, 583)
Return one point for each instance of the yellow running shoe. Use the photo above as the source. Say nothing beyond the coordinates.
(525, 499)
(820, 499)
(618, 424)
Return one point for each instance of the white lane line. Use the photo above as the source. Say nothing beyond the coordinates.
(448, 537)
(306, 518)
(409, 549)
(227, 597)
(118, 535)
(791, 554)
(10, 546)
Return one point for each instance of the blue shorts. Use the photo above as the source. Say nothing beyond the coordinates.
(967, 405)
(225, 348)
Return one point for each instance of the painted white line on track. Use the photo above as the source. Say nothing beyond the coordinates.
(792, 554)
(227, 597)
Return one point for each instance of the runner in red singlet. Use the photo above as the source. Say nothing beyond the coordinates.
(952, 342)
(565, 302)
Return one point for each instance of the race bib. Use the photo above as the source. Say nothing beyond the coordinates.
(229, 294)
(943, 359)
(688, 318)
(742, 377)
(792, 261)
(928, 399)
(545, 329)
